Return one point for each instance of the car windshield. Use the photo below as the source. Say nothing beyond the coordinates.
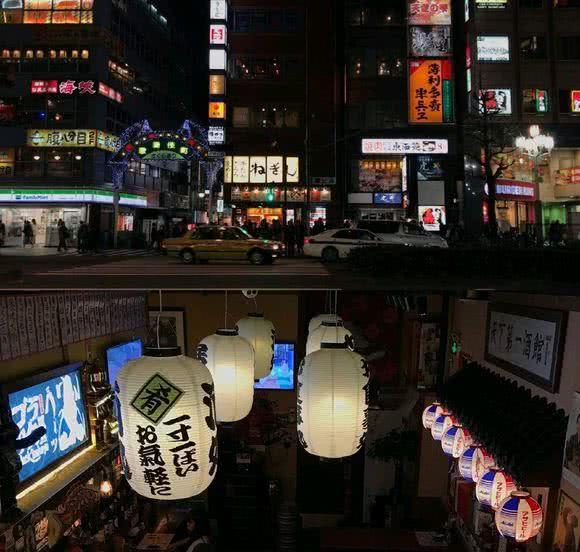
(380, 227)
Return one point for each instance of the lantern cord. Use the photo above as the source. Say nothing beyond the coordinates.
(159, 316)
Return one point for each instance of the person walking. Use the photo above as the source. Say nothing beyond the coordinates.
(290, 238)
(318, 227)
(34, 231)
(300, 235)
(82, 237)
(2, 233)
(93, 238)
(62, 236)
(28, 234)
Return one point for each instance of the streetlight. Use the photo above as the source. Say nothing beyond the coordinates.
(536, 145)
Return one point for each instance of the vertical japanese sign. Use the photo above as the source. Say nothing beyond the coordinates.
(218, 61)
(430, 91)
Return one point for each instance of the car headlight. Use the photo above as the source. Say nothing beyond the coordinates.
(275, 247)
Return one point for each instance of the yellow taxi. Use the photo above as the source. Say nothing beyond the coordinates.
(207, 243)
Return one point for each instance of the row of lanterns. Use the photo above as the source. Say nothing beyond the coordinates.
(517, 515)
(168, 405)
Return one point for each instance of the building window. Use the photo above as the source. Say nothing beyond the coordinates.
(266, 21)
(356, 66)
(569, 47)
(570, 101)
(567, 3)
(533, 47)
(381, 14)
(273, 68)
(241, 117)
(390, 67)
(535, 100)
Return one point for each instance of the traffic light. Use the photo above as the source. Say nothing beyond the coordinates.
(269, 195)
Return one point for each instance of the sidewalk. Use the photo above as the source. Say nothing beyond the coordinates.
(52, 251)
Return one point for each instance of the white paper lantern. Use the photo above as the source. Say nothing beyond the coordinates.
(474, 462)
(230, 360)
(261, 335)
(519, 517)
(320, 318)
(430, 414)
(332, 405)
(494, 487)
(441, 425)
(167, 428)
(328, 332)
(455, 440)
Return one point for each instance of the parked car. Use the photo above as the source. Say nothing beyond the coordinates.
(332, 245)
(206, 243)
(408, 233)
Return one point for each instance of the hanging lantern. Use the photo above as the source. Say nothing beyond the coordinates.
(455, 440)
(230, 360)
(320, 318)
(430, 414)
(519, 517)
(441, 424)
(474, 462)
(494, 487)
(261, 335)
(332, 405)
(328, 332)
(167, 429)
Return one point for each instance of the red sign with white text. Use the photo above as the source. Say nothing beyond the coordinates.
(110, 93)
(44, 87)
(515, 190)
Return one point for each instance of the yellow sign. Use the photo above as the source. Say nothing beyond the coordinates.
(6, 161)
(72, 138)
(217, 85)
(217, 110)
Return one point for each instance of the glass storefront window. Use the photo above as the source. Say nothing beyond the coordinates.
(380, 175)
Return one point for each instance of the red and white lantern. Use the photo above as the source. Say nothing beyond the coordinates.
(455, 440)
(519, 517)
(430, 414)
(494, 487)
(441, 425)
(474, 462)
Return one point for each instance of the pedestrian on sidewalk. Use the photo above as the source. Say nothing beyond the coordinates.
(2, 233)
(290, 238)
(28, 234)
(34, 231)
(62, 235)
(82, 238)
(300, 234)
(93, 239)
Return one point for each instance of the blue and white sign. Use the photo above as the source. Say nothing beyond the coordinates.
(58, 405)
(388, 198)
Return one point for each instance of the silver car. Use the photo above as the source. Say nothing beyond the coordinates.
(408, 233)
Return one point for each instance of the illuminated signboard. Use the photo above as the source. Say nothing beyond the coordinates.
(535, 100)
(58, 405)
(261, 169)
(493, 48)
(78, 195)
(217, 60)
(217, 85)
(6, 161)
(434, 41)
(467, 14)
(218, 34)
(217, 110)
(72, 138)
(515, 189)
(430, 91)
(216, 135)
(110, 93)
(46, 12)
(388, 198)
(404, 145)
(566, 177)
(432, 217)
(497, 101)
(72, 87)
(575, 104)
(218, 9)
(44, 87)
(429, 12)
(492, 4)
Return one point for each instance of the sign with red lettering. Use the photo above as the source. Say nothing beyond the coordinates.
(429, 12)
(430, 91)
(44, 87)
(110, 93)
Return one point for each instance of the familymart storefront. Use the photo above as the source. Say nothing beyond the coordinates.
(44, 207)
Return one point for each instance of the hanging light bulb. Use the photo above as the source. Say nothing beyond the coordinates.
(167, 430)
(441, 424)
(474, 462)
(494, 487)
(261, 335)
(230, 360)
(519, 517)
(328, 332)
(332, 403)
(320, 318)
(430, 414)
(455, 440)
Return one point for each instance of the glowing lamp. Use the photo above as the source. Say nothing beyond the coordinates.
(319, 319)
(474, 462)
(441, 424)
(430, 414)
(328, 332)
(230, 360)
(494, 487)
(332, 403)
(167, 430)
(455, 440)
(261, 335)
(519, 517)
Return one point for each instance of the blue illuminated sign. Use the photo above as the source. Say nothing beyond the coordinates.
(58, 405)
(118, 356)
(282, 374)
(388, 198)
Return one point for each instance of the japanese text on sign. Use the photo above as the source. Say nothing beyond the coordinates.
(429, 12)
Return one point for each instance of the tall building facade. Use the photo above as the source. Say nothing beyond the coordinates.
(525, 57)
(281, 105)
(73, 76)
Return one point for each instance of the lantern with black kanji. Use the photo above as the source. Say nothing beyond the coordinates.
(519, 517)
(230, 360)
(332, 402)
(167, 427)
(261, 335)
(494, 487)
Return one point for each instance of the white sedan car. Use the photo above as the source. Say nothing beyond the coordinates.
(332, 245)
(408, 233)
